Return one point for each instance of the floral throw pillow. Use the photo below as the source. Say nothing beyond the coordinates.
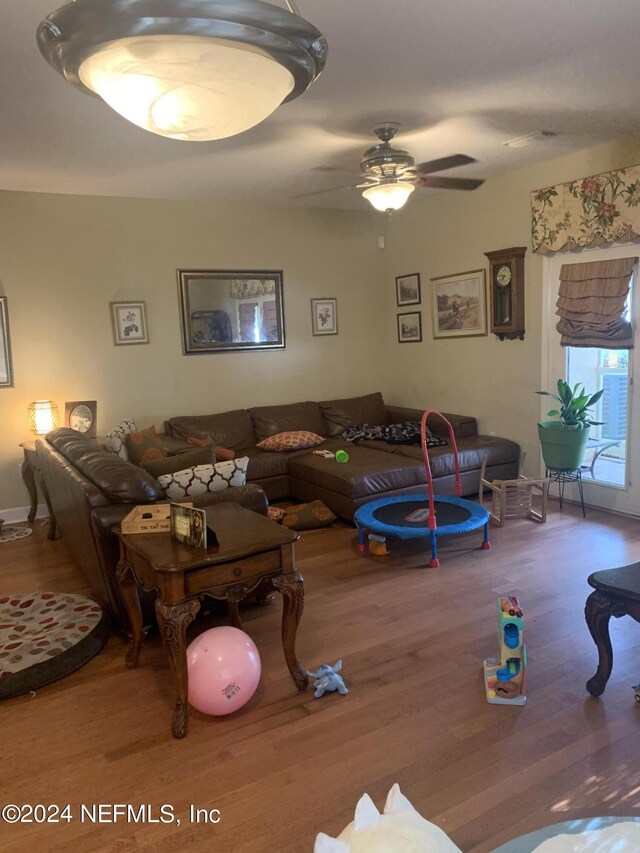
(308, 516)
(144, 446)
(116, 439)
(191, 482)
(294, 440)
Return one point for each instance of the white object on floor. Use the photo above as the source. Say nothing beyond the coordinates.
(399, 829)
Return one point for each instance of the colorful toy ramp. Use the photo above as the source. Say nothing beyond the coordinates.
(504, 676)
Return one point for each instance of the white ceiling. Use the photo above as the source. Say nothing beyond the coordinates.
(461, 76)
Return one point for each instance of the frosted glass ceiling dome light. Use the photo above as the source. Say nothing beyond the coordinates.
(186, 69)
(387, 197)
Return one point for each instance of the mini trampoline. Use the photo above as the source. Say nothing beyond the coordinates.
(428, 516)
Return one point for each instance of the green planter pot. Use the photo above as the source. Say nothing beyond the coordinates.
(562, 447)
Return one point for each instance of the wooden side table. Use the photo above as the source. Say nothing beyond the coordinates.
(254, 556)
(31, 476)
(616, 593)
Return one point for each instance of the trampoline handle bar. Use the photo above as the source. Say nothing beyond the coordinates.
(431, 520)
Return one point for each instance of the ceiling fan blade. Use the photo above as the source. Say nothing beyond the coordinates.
(444, 163)
(427, 182)
(330, 190)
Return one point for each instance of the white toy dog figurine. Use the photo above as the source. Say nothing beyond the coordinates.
(327, 679)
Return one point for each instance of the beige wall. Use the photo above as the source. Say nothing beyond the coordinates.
(449, 233)
(64, 258)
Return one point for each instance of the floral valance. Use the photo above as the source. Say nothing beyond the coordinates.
(243, 288)
(593, 211)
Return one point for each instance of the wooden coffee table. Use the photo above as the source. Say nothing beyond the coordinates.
(254, 556)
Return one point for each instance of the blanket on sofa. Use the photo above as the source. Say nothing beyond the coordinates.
(404, 433)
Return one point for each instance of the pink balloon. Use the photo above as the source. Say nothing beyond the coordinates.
(224, 670)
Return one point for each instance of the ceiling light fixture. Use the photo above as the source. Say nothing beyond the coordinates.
(389, 196)
(523, 141)
(187, 69)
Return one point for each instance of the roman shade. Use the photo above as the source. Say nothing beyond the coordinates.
(591, 304)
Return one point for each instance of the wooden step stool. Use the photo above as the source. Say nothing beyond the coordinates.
(514, 498)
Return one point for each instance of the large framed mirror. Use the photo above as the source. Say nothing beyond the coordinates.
(231, 310)
(6, 368)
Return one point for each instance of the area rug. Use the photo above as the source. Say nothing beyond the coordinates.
(10, 534)
(45, 636)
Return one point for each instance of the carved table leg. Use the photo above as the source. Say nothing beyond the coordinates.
(235, 595)
(30, 482)
(129, 592)
(173, 620)
(597, 612)
(291, 588)
(51, 533)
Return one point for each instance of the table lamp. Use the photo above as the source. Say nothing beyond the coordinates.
(43, 416)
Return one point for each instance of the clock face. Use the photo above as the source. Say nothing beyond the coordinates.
(503, 276)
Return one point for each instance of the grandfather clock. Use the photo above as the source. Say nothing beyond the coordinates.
(506, 292)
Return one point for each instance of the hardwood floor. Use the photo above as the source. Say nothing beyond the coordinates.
(287, 765)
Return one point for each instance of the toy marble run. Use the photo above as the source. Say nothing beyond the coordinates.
(504, 678)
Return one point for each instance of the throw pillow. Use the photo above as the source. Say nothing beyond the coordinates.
(198, 442)
(223, 454)
(115, 440)
(186, 459)
(144, 446)
(294, 440)
(309, 516)
(191, 482)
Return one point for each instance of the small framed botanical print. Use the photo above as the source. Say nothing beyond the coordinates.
(129, 321)
(324, 316)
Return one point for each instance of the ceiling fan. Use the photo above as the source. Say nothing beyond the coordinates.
(390, 175)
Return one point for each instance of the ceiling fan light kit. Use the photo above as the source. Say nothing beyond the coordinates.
(387, 197)
(390, 174)
(187, 69)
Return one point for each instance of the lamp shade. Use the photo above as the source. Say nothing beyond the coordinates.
(389, 197)
(186, 69)
(187, 87)
(43, 416)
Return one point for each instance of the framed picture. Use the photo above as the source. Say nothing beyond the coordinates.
(129, 323)
(6, 369)
(324, 316)
(188, 524)
(408, 289)
(458, 305)
(231, 310)
(410, 327)
(81, 416)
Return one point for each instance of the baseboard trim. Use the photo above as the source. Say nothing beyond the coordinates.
(20, 513)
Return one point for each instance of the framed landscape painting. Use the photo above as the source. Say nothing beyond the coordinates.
(459, 305)
(408, 289)
(410, 327)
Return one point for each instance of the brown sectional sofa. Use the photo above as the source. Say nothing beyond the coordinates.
(91, 489)
(375, 469)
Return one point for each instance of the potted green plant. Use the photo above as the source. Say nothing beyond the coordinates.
(564, 440)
